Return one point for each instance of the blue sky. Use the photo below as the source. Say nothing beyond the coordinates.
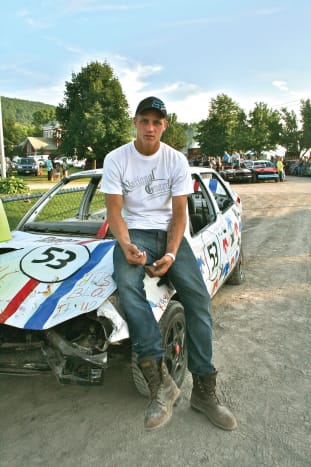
(185, 52)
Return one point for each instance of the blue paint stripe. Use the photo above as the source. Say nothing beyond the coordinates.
(46, 309)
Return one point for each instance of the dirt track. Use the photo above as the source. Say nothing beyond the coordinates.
(262, 348)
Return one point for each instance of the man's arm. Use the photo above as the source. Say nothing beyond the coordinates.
(118, 227)
(177, 225)
(175, 235)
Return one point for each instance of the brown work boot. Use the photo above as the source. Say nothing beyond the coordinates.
(204, 399)
(163, 393)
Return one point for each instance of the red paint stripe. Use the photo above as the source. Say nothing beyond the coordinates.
(103, 230)
(18, 299)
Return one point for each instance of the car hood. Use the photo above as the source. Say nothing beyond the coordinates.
(46, 280)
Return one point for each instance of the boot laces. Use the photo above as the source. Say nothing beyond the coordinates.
(208, 389)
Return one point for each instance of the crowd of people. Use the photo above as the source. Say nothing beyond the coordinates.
(219, 163)
(235, 160)
(55, 169)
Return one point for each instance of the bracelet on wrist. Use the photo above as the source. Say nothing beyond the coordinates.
(171, 255)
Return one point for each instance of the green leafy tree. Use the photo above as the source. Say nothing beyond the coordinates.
(305, 110)
(265, 128)
(22, 111)
(41, 117)
(175, 134)
(224, 128)
(94, 114)
(290, 135)
(13, 134)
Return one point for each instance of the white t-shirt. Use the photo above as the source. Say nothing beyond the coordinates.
(147, 183)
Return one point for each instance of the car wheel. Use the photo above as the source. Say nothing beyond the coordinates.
(173, 328)
(237, 276)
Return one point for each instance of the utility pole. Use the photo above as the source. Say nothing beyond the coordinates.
(2, 156)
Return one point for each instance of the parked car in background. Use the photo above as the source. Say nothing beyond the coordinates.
(27, 166)
(263, 170)
(289, 165)
(59, 306)
(78, 163)
(301, 168)
(14, 162)
(237, 174)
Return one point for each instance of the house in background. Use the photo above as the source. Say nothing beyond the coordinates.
(47, 144)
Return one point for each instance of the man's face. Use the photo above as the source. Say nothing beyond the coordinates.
(150, 126)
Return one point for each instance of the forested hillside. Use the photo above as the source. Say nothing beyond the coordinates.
(20, 110)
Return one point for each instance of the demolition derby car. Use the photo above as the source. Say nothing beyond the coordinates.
(59, 308)
(263, 170)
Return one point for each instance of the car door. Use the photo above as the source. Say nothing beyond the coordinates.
(230, 219)
(205, 235)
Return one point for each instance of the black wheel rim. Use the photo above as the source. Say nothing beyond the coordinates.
(175, 345)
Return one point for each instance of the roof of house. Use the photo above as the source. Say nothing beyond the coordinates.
(40, 143)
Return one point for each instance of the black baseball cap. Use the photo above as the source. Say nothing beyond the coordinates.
(151, 103)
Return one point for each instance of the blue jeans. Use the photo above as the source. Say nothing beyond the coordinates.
(186, 277)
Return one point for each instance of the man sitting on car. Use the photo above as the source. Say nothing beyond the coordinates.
(147, 182)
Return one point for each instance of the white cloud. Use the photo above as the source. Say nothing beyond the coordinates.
(282, 85)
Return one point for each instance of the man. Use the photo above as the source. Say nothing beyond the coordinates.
(49, 167)
(280, 167)
(146, 183)
(226, 159)
(236, 159)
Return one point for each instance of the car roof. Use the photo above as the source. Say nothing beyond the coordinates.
(195, 170)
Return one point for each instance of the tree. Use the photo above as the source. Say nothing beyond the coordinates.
(22, 111)
(305, 110)
(94, 114)
(14, 133)
(224, 128)
(40, 117)
(265, 128)
(290, 134)
(175, 134)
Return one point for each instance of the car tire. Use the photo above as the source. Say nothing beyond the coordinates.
(173, 328)
(237, 276)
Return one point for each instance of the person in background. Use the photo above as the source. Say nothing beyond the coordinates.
(218, 166)
(49, 166)
(236, 159)
(300, 167)
(146, 183)
(64, 169)
(226, 159)
(280, 167)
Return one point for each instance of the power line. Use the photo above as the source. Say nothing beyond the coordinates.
(290, 102)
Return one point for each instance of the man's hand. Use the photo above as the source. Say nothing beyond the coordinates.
(160, 267)
(133, 254)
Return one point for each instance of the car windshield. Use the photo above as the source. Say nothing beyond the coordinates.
(77, 207)
(26, 160)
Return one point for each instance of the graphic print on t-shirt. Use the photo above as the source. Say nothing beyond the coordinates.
(151, 184)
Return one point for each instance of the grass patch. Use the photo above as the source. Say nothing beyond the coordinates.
(15, 210)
